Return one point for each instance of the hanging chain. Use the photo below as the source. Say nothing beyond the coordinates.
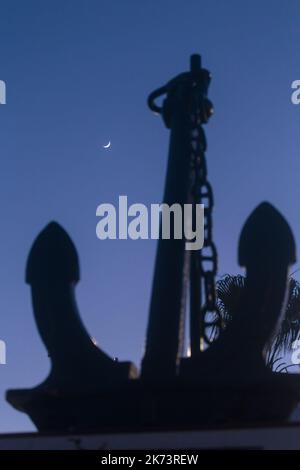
(206, 259)
(205, 320)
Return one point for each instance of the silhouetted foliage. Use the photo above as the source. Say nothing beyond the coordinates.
(229, 291)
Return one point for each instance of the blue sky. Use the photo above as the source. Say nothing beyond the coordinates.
(78, 74)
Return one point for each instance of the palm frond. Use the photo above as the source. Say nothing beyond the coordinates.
(229, 290)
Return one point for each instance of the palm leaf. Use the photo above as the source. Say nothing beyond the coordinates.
(229, 290)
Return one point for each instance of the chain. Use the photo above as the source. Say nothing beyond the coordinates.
(205, 315)
(205, 261)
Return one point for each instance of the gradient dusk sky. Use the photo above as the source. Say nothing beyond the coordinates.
(78, 74)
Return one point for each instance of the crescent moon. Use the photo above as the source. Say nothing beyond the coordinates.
(107, 146)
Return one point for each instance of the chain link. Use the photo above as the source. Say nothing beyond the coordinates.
(209, 315)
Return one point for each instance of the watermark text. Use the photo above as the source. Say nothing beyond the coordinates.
(161, 221)
(2, 92)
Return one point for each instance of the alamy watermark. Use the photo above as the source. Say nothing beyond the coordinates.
(151, 224)
(2, 352)
(2, 343)
(2, 92)
(295, 359)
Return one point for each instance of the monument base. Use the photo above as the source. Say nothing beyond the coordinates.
(179, 404)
